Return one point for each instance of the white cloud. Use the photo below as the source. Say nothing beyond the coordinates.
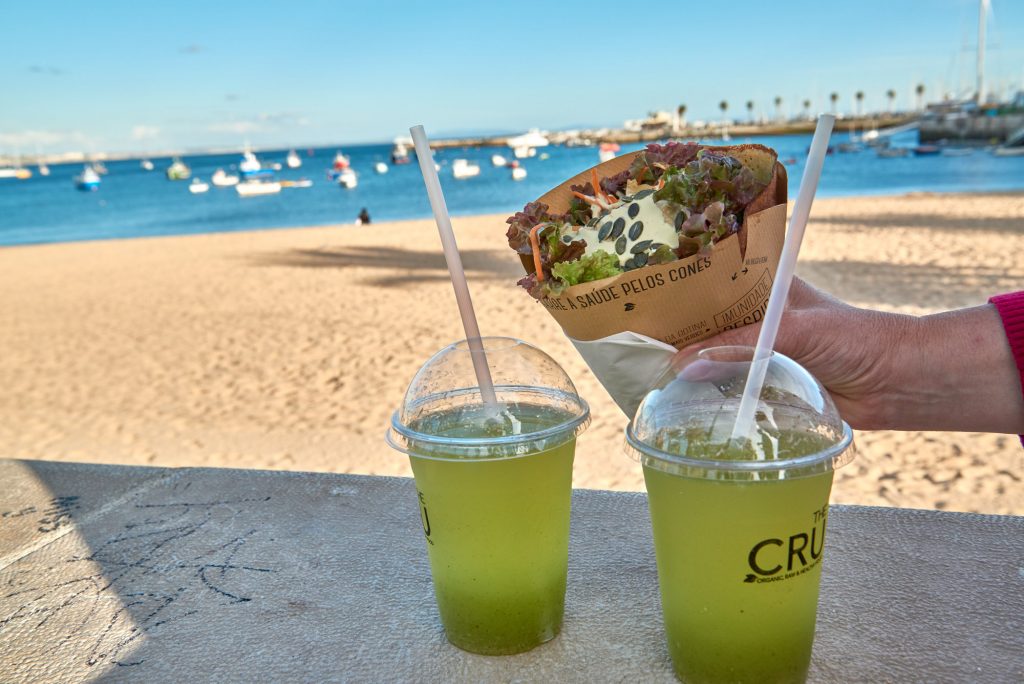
(144, 132)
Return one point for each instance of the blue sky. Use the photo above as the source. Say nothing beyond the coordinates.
(116, 76)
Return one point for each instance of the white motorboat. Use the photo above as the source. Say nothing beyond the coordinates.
(292, 160)
(146, 165)
(462, 169)
(44, 170)
(526, 145)
(380, 167)
(197, 186)
(498, 160)
(250, 165)
(518, 173)
(222, 179)
(400, 151)
(348, 179)
(254, 188)
(88, 180)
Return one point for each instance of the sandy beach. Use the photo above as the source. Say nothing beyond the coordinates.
(288, 349)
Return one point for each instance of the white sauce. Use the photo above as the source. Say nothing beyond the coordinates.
(655, 228)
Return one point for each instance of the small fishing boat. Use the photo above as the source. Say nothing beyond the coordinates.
(301, 183)
(607, 150)
(146, 165)
(518, 173)
(88, 180)
(15, 172)
(292, 160)
(462, 169)
(927, 150)
(197, 186)
(347, 179)
(178, 170)
(893, 152)
(380, 167)
(340, 165)
(498, 160)
(222, 179)
(250, 165)
(254, 188)
(400, 151)
(44, 170)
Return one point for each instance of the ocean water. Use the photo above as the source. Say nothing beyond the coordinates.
(132, 202)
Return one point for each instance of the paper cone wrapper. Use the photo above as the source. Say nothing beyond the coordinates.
(628, 327)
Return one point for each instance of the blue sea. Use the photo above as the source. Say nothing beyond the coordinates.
(132, 202)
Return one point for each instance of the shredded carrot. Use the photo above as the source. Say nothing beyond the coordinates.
(535, 246)
(589, 199)
(598, 192)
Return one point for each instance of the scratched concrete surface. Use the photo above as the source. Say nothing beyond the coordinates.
(112, 573)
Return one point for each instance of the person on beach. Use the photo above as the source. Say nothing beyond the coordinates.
(960, 370)
(363, 218)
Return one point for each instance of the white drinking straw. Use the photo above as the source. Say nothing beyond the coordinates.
(455, 270)
(783, 277)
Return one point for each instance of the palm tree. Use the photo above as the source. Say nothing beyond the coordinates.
(807, 109)
(724, 106)
(680, 116)
(860, 103)
(919, 90)
(891, 95)
(750, 110)
(778, 107)
(834, 97)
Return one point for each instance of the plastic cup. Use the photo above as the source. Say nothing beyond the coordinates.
(494, 485)
(739, 528)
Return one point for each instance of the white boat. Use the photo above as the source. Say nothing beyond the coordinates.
(348, 179)
(292, 160)
(607, 151)
(88, 180)
(400, 151)
(15, 172)
(498, 160)
(462, 169)
(380, 167)
(44, 170)
(222, 179)
(146, 165)
(526, 145)
(254, 188)
(518, 173)
(197, 186)
(250, 165)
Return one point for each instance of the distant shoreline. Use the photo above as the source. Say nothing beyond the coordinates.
(595, 135)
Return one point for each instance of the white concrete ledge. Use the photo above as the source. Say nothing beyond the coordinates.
(158, 575)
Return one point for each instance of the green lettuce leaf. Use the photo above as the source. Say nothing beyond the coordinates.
(592, 267)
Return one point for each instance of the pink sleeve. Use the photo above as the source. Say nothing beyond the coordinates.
(1011, 310)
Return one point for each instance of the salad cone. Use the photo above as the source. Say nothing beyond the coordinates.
(688, 300)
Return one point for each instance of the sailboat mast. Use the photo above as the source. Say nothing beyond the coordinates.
(982, 7)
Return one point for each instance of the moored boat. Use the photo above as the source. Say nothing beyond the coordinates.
(178, 170)
(498, 160)
(146, 165)
(607, 150)
(197, 186)
(222, 179)
(380, 167)
(88, 180)
(462, 169)
(249, 166)
(400, 151)
(347, 179)
(254, 188)
(518, 173)
(292, 160)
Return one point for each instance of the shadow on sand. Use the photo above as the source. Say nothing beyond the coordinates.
(399, 266)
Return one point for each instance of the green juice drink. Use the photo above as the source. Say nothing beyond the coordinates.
(739, 567)
(739, 527)
(498, 539)
(494, 484)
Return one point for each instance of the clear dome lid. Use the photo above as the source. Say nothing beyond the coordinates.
(684, 424)
(444, 415)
